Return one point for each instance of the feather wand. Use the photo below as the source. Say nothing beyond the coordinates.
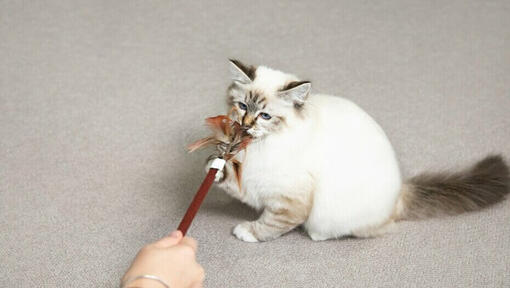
(229, 138)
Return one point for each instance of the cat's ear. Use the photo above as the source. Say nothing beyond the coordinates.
(241, 73)
(296, 92)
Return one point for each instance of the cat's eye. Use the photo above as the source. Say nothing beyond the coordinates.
(242, 106)
(265, 116)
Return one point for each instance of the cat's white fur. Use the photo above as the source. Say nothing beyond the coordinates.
(332, 149)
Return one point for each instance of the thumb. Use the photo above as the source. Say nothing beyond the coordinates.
(172, 239)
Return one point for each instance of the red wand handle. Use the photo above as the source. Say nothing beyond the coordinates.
(200, 196)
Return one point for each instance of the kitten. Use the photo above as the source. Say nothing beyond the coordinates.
(321, 162)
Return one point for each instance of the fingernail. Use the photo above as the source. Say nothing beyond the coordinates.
(176, 234)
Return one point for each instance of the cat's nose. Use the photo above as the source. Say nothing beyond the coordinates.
(248, 121)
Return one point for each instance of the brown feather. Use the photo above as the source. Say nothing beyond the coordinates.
(226, 133)
(201, 143)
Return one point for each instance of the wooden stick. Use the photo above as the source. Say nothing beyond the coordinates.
(197, 201)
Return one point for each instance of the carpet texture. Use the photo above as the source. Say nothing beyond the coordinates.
(98, 100)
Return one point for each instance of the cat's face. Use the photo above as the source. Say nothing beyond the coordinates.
(265, 101)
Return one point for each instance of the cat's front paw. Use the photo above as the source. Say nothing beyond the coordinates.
(243, 232)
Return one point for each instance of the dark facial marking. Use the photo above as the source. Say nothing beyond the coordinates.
(298, 106)
(251, 102)
(255, 98)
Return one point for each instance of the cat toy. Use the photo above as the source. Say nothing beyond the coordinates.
(229, 138)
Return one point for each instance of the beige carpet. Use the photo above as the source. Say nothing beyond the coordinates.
(98, 100)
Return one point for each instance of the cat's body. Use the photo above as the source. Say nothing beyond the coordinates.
(318, 161)
(355, 168)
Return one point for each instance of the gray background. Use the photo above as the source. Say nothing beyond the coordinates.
(98, 101)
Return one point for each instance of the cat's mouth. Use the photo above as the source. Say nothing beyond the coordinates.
(251, 130)
(247, 130)
(254, 133)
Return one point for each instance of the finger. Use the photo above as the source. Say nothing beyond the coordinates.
(190, 242)
(173, 239)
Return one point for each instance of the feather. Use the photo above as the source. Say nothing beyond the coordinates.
(228, 137)
(201, 143)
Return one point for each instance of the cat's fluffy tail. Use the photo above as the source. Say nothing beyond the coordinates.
(430, 195)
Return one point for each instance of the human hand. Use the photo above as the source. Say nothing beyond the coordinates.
(172, 259)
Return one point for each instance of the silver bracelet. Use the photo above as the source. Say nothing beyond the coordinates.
(145, 276)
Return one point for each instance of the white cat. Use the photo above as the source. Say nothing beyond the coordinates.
(321, 162)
